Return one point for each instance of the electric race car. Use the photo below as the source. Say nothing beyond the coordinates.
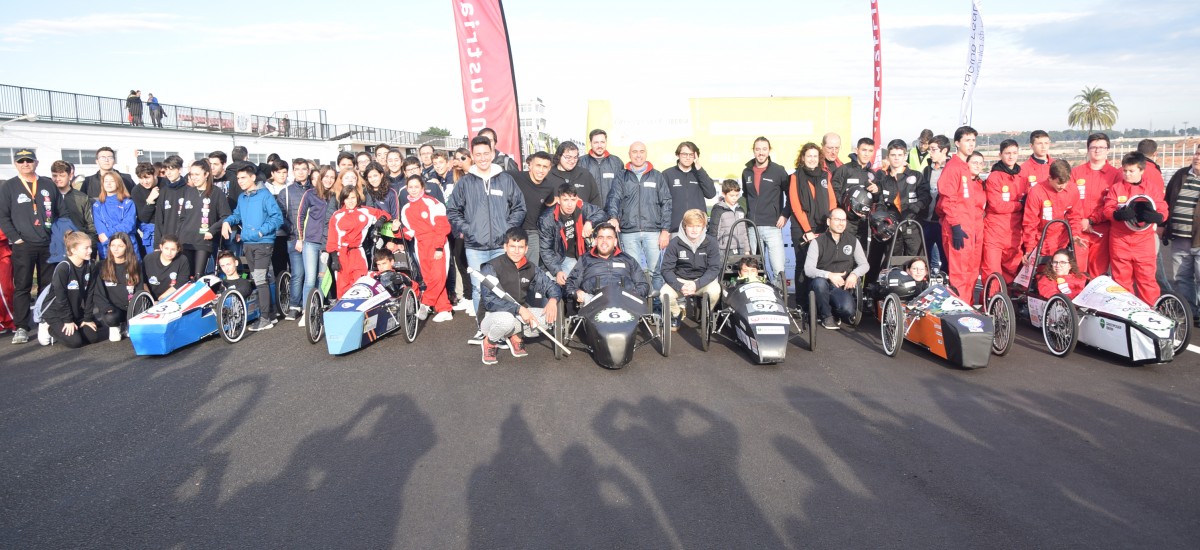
(195, 311)
(366, 312)
(614, 323)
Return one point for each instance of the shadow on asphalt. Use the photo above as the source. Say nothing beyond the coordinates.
(995, 469)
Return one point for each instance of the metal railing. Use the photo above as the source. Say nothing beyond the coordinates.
(57, 106)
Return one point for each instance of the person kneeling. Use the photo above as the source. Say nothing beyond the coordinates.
(511, 305)
(68, 305)
(691, 265)
(833, 266)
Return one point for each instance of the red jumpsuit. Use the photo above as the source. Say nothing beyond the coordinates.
(1153, 176)
(1002, 226)
(1091, 186)
(1042, 204)
(1036, 173)
(347, 231)
(425, 223)
(961, 202)
(1134, 258)
(6, 284)
(1071, 285)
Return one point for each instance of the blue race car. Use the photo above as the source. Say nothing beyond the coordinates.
(192, 313)
(366, 312)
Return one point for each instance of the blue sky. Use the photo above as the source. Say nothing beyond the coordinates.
(395, 64)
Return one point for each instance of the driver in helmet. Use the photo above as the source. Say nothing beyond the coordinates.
(833, 266)
(605, 264)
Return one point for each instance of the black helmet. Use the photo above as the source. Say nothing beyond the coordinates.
(883, 225)
(895, 280)
(857, 201)
(1141, 204)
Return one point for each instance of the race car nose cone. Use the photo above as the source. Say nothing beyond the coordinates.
(344, 331)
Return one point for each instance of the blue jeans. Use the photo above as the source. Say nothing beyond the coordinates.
(773, 242)
(475, 260)
(296, 261)
(839, 300)
(933, 245)
(643, 246)
(1186, 261)
(314, 268)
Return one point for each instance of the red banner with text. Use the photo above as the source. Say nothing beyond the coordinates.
(489, 88)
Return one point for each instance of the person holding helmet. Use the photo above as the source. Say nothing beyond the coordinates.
(834, 263)
(1131, 245)
(901, 194)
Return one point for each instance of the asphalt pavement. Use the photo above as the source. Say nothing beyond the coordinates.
(272, 443)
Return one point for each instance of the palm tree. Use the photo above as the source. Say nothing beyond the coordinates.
(1093, 109)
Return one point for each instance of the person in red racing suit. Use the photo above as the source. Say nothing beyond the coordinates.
(347, 235)
(961, 202)
(1036, 168)
(1055, 199)
(1061, 276)
(425, 222)
(1006, 190)
(1092, 180)
(1134, 258)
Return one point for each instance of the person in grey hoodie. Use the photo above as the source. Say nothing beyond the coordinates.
(725, 213)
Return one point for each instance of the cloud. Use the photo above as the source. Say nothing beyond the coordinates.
(97, 23)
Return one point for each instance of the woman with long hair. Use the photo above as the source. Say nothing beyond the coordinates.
(425, 223)
(811, 197)
(119, 278)
(378, 193)
(348, 230)
(312, 226)
(203, 210)
(1061, 275)
(113, 210)
(68, 307)
(350, 179)
(165, 269)
(460, 163)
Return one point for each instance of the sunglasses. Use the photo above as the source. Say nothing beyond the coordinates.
(25, 161)
(460, 158)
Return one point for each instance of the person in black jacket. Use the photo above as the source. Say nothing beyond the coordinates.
(145, 199)
(105, 158)
(565, 228)
(639, 204)
(690, 184)
(166, 269)
(28, 210)
(901, 193)
(117, 281)
(691, 265)
(535, 294)
(505, 162)
(764, 185)
(604, 265)
(604, 167)
(68, 306)
(567, 169)
(538, 193)
(857, 172)
(134, 104)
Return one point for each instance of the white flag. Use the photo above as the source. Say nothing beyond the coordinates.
(974, 62)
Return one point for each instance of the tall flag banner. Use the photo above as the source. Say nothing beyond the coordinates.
(878, 84)
(488, 78)
(974, 62)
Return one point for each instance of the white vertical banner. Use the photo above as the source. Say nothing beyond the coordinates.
(974, 62)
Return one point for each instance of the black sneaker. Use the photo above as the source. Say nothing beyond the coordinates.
(292, 314)
(675, 322)
(830, 323)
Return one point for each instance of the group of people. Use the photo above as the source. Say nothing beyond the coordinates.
(573, 221)
(134, 105)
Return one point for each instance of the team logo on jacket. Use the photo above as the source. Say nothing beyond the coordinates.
(73, 285)
(911, 180)
(187, 205)
(613, 315)
(424, 214)
(23, 198)
(153, 280)
(824, 183)
(847, 250)
(682, 254)
(676, 183)
(870, 176)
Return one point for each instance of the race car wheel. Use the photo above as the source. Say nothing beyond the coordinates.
(559, 330)
(705, 315)
(408, 315)
(283, 291)
(1171, 306)
(314, 315)
(1004, 322)
(811, 325)
(993, 285)
(1060, 325)
(231, 315)
(140, 303)
(891, 325)
(664, 325)
(858, 304)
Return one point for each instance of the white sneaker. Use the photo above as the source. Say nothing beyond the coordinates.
(470, 309)
(114, 334)
(44, 334)
(443, 317)
(477, 339)
(423, 312)
(462, 305)
(301, 321)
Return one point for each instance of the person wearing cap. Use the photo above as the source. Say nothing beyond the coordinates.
(27, 212)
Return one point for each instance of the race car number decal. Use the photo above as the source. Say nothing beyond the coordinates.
(613, 315)
(767, 306)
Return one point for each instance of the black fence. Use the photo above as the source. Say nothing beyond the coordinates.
(55, 106)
